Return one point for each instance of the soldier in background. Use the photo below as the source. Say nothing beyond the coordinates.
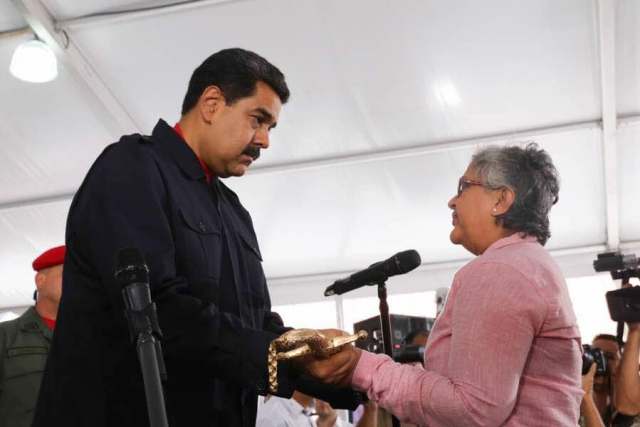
(24, 343)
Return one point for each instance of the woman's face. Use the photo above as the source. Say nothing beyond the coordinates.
(474, 225)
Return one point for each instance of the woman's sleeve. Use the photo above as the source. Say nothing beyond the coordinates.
(495, 315)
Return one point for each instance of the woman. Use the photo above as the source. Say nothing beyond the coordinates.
(505, 351)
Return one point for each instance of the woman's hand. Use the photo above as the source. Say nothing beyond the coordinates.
(338, 368)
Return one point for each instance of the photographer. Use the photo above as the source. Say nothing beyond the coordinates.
(627, 387)
(597, 407)
(589, 415)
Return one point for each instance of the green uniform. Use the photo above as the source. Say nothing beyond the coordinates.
(24, 345)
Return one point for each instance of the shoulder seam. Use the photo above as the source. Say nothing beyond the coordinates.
(521, 274)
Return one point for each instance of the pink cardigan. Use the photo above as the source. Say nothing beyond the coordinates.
(505, 351)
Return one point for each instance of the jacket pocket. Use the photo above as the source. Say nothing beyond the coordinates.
(26, 350)
(20, 381)
(199, 242)
(250, 243)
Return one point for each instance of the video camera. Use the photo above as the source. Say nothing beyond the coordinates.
(624, 304)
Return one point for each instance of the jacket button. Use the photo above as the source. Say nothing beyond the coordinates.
(203, 227)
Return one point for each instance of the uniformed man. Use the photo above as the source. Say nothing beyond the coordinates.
(164, 195)
(24, 343)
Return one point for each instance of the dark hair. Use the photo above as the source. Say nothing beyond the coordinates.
(236, 72)
(531, 175)
(606, 337)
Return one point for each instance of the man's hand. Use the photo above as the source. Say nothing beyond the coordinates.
(587, 380)
(327, 416)
(337, 369)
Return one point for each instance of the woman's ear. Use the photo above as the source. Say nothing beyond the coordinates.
(504, 201)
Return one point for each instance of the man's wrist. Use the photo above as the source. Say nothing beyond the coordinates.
(587, 399)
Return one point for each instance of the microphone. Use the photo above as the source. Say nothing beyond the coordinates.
(400, 263)
(132, 274)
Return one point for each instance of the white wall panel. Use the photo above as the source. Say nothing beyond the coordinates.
(629, 181)
(27, 232)
(343, 217)
(628, 56)
(421, 73)
(49, 135)
(67, 9)
(10, 19)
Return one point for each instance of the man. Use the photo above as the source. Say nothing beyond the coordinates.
(163, 195)
(296, 412)
(303, 410)
(596, 408)
(604, 385)
(627, 388)
(24, 343)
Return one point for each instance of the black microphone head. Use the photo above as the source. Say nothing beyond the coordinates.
(131, 267)
(405, 261)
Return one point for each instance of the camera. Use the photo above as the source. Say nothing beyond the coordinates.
(624, 304)
(591, 355)
(400, 327)
(616, 263)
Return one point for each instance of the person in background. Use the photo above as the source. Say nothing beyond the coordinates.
(303, 410)
(24, 343)
(627, 386)
(603, 392)
(589, 415)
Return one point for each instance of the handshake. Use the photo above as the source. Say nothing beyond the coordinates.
(324, 354)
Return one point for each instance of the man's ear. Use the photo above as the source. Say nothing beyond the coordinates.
(39, 279)
(211, 101)
(504, 201)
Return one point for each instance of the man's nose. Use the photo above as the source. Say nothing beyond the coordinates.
(262, 137)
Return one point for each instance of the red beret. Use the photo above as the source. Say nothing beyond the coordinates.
(53, 256)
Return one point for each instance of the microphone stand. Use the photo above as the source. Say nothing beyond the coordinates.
(385, 324)
(141, 326)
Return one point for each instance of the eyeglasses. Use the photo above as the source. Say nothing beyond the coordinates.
(464, 183)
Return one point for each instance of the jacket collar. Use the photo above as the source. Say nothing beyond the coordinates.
(30, 321)
(177, 149)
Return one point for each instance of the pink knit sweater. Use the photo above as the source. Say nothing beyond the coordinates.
(504, 352)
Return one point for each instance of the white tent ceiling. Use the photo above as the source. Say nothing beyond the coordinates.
(389, 100)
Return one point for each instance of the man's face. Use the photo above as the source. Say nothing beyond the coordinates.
(49, 283)
(237, 132)
(611, 351)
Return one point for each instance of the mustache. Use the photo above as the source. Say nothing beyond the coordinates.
(252, 151)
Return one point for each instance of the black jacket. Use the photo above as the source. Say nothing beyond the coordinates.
(206, 279)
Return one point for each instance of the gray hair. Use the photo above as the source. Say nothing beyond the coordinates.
(531, 175)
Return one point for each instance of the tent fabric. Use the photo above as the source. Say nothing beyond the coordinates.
(389, 101)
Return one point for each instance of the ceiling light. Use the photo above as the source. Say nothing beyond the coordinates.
(33, 61)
